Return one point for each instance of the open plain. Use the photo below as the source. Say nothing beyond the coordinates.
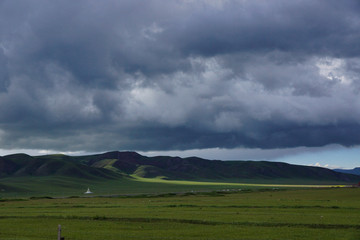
(263, 213)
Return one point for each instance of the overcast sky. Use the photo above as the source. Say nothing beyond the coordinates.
(224, 78)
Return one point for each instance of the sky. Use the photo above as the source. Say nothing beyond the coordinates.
(221, 79)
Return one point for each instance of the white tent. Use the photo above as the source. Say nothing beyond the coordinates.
(88, 191)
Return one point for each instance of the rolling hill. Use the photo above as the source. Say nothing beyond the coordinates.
(20, 165)
(194, 168)
(129, 172)
(119, 164)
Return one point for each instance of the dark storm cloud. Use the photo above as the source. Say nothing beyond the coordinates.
(176, 75)
(308, 27)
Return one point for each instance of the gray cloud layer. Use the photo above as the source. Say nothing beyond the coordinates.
(173, 75)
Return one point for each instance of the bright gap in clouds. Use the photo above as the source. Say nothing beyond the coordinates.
(37, 152)
(338, 157)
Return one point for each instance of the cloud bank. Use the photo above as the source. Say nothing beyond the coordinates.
(179, 74)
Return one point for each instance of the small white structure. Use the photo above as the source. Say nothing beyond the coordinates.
(88, 191)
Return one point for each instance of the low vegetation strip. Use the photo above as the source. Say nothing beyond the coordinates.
(261, 207)
(191, 221)
(195, 206)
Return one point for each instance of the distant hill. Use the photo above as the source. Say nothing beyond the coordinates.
(18, 165)
(120, 164)
(355, 171)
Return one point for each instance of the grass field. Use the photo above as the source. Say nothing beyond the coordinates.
(61, 186)
(321, 213)
(55, 186)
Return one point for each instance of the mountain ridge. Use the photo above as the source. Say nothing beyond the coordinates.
(117, 164)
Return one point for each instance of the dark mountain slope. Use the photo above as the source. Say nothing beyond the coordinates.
(355, 171)
(7, 167)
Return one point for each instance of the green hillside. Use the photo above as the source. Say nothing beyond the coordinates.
(113, 165)
(19, 165)
(131, 173)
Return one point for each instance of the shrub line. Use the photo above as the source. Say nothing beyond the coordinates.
(193, 221)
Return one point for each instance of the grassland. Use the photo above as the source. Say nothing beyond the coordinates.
(172, 198)
(62, 186)
(321, 213)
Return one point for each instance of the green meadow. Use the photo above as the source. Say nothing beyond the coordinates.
(246, 213)
(63, 186)
(60, 186)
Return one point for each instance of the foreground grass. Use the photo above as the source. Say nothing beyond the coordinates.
(331, 213)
